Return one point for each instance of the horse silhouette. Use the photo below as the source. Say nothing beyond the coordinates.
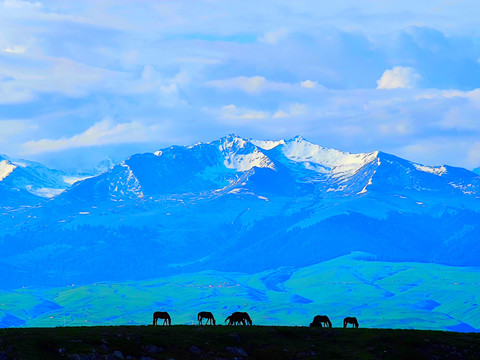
(238, 318)
(162, 315)
(320, 320)
(205, 315)
(350, 320)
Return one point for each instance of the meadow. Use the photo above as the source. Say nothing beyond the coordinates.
(234, 342)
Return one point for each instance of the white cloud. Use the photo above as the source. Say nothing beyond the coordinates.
(9, 128)
(474, 154)
(10, 93)
(251, 85)
(232, 112)
(400, 127)
(199, 60)
(438, 150)
(101, 133)
(309, 84)
(293, 110)
(274, 37)
(399, 77)
(55, 75)
(19, 5)
(15, 49)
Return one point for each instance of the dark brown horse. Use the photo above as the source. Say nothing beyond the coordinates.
(161, 315)
(320, 320)
(238, 318)
(350, 320)
(206, 315)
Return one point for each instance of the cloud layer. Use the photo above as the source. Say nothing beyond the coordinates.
(401, 77)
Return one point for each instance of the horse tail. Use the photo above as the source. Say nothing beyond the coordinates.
(329, 322)
(228, 318)
(153, 319)
(198, 317)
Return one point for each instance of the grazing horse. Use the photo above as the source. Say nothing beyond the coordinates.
(206, 315)
(318, 320)
(350, 320)
(238, 318)
(161, 315)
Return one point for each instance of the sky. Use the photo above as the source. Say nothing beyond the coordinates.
(82, 81)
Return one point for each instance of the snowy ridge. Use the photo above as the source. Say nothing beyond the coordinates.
(6, 168)
(206, 168)
(44, 192)
(244, 154)
(340, 164)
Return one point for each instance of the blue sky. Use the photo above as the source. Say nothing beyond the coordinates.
(84, 80)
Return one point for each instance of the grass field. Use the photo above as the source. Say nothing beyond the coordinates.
(234, 342)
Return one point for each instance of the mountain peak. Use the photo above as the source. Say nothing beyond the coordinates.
(6, 168)
(298, 138)
(233, 141)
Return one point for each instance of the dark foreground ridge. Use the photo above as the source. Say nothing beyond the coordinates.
(228, 342)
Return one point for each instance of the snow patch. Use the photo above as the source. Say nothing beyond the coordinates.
(158, 153)
(364, 190)
(430, 169)
(6, 168)
(245, 162)
(44, 192)
(131, 183)
(192, 146)
(19, 163)
(73, 179)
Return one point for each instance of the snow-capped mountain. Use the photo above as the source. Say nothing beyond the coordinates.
(28, 183)
(237, 204)
(25, 182)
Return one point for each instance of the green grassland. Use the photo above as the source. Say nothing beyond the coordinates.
(234, 342)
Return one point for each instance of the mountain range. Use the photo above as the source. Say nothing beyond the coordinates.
(233, 204)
